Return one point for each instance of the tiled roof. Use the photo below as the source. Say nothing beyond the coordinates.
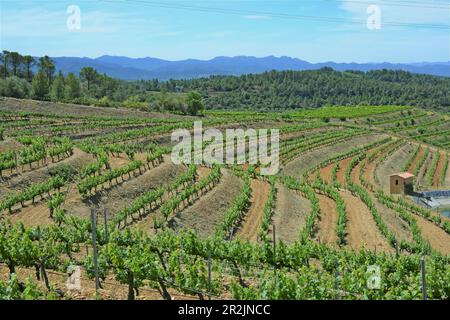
(404, 175)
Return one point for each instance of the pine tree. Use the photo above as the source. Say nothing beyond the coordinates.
(57, 92)
(39, 85)
(72, 87)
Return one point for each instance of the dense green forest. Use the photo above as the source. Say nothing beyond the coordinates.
(25, 77)
(311, 89)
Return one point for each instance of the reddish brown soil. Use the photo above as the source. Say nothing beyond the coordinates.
(326, 173)
(354, 175)
(328, 220)
(361, 228)
(291, 211)
(341, 172)
(438, 238)
(369, 173)
(440, 167)
(251, 224)
(447, 177)
(416, 159)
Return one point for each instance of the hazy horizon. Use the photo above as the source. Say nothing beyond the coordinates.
(314, 31)
(236, 56)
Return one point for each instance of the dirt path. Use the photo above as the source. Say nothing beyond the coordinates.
(438, 238)
(328, 221)
(341, 172)
(291, 211)
(354, 175)
(416, 159)
(369, 173)
(421, 176)
(326, 173)
(250, 226)
(440, 167)
(361, 228)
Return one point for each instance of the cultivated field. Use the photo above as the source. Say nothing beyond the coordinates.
(175, 231)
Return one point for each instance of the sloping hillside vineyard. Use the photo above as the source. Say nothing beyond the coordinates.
(95, 190)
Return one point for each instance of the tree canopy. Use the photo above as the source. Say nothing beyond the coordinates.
(268, 91)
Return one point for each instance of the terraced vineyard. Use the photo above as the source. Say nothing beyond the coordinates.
(177, 231)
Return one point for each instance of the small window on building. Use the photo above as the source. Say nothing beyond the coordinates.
(396, 182)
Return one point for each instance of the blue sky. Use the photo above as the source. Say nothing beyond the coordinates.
(141, 28)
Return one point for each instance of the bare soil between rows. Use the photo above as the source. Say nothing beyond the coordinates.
(361, 228)
(208, 212)
(326, 227)
(291, 211)
(252, 222)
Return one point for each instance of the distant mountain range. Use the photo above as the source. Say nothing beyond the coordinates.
(152, 68)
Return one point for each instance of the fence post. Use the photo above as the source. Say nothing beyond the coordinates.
(424, 280)
(94, 241)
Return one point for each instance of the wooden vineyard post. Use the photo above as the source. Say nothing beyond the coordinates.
(424, 280)
(94, 242)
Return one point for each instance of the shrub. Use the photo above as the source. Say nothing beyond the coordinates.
(15, 87)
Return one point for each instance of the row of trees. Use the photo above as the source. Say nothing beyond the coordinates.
(274, 90)
(27, 77)
(15, 64)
